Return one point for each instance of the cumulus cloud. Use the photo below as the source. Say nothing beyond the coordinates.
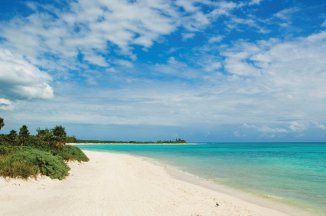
(19, 79)
(286, 73)
(265, 83)
(278, 78)
(297, 57)
(89, 30)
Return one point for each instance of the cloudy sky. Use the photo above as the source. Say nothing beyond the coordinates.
(203, 70)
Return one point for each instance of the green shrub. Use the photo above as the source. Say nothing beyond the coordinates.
(18, 169)
(71, 153)
(28, 162)
(5, 150)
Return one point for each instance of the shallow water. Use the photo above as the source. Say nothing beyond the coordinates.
(292, 173)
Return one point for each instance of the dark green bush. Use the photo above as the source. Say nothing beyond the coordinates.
(71, 153)
(28, 162)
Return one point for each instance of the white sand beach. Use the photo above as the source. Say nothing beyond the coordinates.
(121, 185)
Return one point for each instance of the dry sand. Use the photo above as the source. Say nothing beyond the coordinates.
(121, 185)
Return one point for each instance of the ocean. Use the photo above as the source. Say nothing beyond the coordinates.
(291, 173)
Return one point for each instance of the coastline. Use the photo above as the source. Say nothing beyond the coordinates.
(124, 184)
(174, 172)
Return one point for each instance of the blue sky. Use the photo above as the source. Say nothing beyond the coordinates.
(204, 70)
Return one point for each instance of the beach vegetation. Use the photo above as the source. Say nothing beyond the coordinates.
(5, 150)
(24, 155)
(29, 162)
(71, 153)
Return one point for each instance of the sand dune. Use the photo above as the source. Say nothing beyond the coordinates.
(121, 185)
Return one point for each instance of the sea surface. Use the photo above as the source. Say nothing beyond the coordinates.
(291, 173)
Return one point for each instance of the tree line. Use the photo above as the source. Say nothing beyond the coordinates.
(54, 138)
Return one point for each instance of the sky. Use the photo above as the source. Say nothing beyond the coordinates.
(251, 70)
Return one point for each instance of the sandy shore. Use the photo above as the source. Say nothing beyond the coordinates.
(121, 185)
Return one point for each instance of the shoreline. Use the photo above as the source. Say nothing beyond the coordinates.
(185, 176)
(124, 184)
(266, 202)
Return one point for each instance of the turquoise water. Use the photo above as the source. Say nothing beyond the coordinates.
(292, 173)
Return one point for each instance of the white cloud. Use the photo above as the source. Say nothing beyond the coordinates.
(209, 64)
(300, 57)
(320, 126)
(238, 134)
(95, 59)
(212, 66)
(252, 22)
(215, 39)
(94, 28)
(124, 63)
(285, 16)
(297, 126)
(246, 125)
(195, 18)
(5, 104)
(89, 28)
(282, 77)
(265, 129)
(271, 82)
(266, 83)
(188, 35)
(173, 68)
(279, 77)
(255, 2)
(19, 79)
(323, 24)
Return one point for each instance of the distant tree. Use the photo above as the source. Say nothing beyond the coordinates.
(2, 123)
(71, 139)
(60, 136)
(59, 132)
(45, 136)
(23, 135)
(41, 132)
(12, 137)
(178, 140)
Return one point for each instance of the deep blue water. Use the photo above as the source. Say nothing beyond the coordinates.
(292, 173)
